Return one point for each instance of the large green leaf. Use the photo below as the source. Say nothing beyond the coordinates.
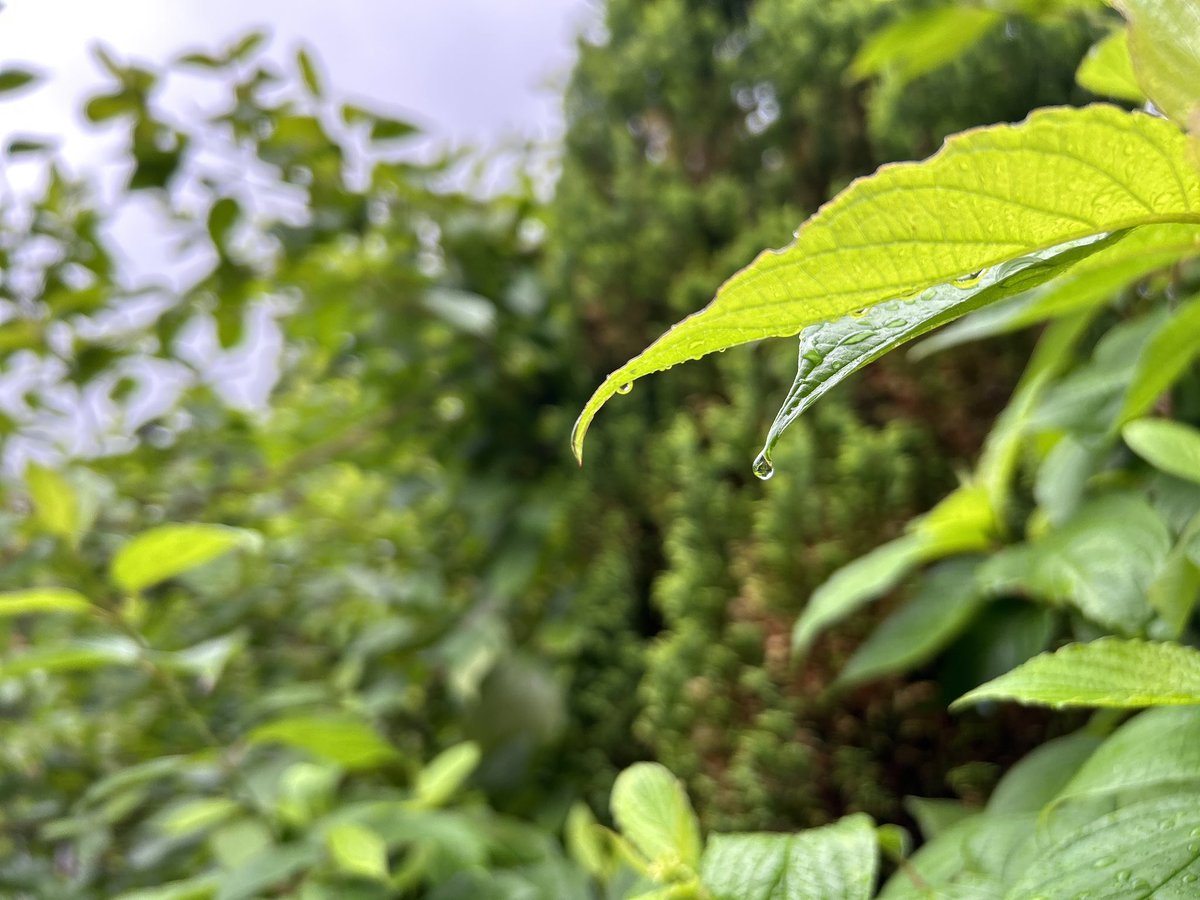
(989, 195)
(833, 351)
(38, 600)
(945, 602)
(169, 550)
(348, 741)
(923, 41)
(837, 862)
(652, 810)
(1106, 672)
(1107, 70)
(1147, 849)
(1167, 445)
(1164, 43)
(1155, 749)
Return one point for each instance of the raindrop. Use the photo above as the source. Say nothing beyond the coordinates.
(1124, 875)
(763, 468)
(896, 323)
(857, 338)
(1103, 861)
(968, 281)
(625, 388)
(1190, 878)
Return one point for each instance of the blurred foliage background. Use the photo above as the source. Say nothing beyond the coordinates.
(432, 574)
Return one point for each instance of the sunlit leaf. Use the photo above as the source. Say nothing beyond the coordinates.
(41, 600)
(1106, 672)
(79, 657)
(1166, 356)
(443, 775)
(54, 501)
(652, 810)
(357, 851)
(837, 862)
(988, 196)
(1107, 70)
(1164, 43)
(170, 550)
(347, 741)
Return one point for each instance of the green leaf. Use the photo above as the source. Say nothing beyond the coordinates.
(1169, 446)
(265, 869)
(79, 657)
(946, 600)
(935, 815)
(1105, 672)
(170, 550)
(1040, 775)
(341, 739)
(923, 41)
(308, 72)
(986, 197)
(357, 851)
(651, 808)
(1164, 43)
(1175, 589)
(103, 107)
(837, 862)
(1157, 748)
(832, 351)
(1086, 284)
(584, 839)
(201, 887)
(1102, 561)
(443, 775)
(1146, 849)
(39, 600)
(15, 78)
(54, 501)
(1165, 357)
(960, 523)
(1107, 70)
(199, 814)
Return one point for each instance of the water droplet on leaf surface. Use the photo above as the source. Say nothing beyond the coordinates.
(763, 468)
(625, 388)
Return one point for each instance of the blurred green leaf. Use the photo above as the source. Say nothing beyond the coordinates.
(347, 741)
(1167, 445)
(14, 78)
(442, 776)
(38, 600)
(1107, 70)
(55, 502)
(357, 851)
(169, 550)
(922, 41)
(652, 810)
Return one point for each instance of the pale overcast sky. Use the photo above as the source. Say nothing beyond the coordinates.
(477, 71)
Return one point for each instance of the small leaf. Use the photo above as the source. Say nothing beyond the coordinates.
(55, 502)
(837, 862)
(193, 815)
(1157, 748)
(935, 815)
(40, 600)
(1146, 849)
(652, 810)
(170, 550)
(1105, 672)
(1107, 70)
(357, 851)
(1165, 357)
(1169, 446)
(246, 46)
(103, 107)
(79, 657)
(923, 41)
(583, 837)
(264, 870)
(308, 72)
(1164, 43)
(1176, 587)
(345, 740)
(981, 200)
(443, 775)
(15, 78)
(945, 602)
